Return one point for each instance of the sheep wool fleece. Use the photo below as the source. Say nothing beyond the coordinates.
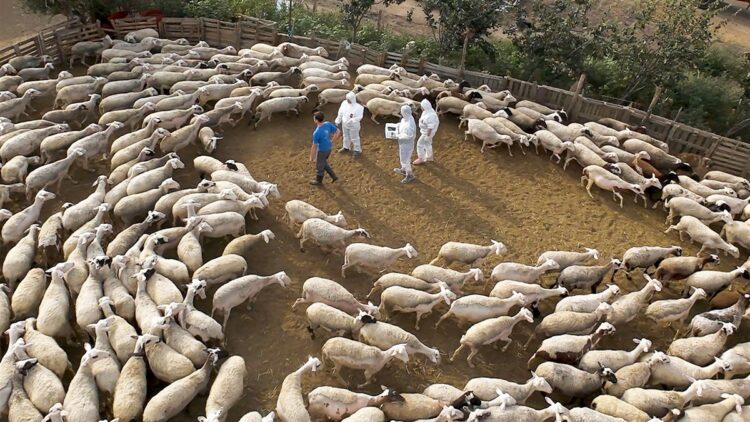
(349, 117)
(407, 131)
(428, 126)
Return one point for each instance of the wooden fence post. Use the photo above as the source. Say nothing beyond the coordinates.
(572, 107)
(238, 33)
(58, 45)
(40, 44)
(422, 61)
(670, 132)
(654, 100)
(380, 20)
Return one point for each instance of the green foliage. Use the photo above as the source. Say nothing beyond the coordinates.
(557, 39)
(663, 39)
(450, 19)
(353, 11)
(707, 101)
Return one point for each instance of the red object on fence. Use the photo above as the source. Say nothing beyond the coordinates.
(117, 15)
(156, 13)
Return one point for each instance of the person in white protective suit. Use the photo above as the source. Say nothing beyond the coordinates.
(349, 117)
(428, 126)
(407, 131)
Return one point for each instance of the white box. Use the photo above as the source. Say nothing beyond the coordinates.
(391, 131)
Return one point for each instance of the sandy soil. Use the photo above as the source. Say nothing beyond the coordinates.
(526, 202)
(18, 23)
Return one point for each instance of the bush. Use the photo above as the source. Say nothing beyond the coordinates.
(708, 102)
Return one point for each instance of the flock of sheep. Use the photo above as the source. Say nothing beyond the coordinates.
(118, 288)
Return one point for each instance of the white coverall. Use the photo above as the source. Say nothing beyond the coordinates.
(407, 131)
(428, 126)
(349, 117)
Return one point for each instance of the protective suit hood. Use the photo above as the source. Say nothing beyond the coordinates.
(426, 105)
(405, 111)
(351, 97)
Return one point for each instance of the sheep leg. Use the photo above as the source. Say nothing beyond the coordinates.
(226, 319)
(368, 378)
(460, 348)
(472, 353)
(510, 153)
(419, 316)
(531, 337)
(588, 187)
(443, 318)
(507, 343)
(522, 150)
(373, 117)
(621, 198)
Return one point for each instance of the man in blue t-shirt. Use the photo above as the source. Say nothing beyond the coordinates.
(322, 144)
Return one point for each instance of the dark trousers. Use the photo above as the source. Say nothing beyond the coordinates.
(321, 165)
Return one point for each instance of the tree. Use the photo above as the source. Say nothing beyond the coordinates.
(354, 11)
(661, 41)
(558, 38)
(457, 22)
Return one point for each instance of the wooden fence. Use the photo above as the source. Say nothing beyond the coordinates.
(726, 154)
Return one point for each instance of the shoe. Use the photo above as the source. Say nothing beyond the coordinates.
(343, 150)
(334, 179)
(318, 181)
(409, 178)
(356, 154)
(399, 171)
(418, 161)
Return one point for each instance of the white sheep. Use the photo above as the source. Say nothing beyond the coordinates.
(478, 129)
(635, 375)
(227, 388)
(378, 258)
(170, 401)
(243, 289)
(490, 331)
(647, 256)
(605, 180)
(588, 303)
(221, 269)
(681, 206)
(713, 281)
(343, 352)
(475, 308)
(521, 272)
(701, 350)
(467, 253)
(677, 372)
(266, 109)
(553, 144)
(335, 403)
(699, 232)
(574, 382)
(298, 212)
(326, 235)
(317, 289)
(586, 277)
(82, 399)
(614, 359)
(290, 406)
(384, 336)
(569, 348)
(453, 278)
(401, 299)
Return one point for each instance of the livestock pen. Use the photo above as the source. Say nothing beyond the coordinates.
(526, 202)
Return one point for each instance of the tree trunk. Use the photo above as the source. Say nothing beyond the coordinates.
(463, 56)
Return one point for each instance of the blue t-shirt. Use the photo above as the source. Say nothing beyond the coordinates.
(322, 136)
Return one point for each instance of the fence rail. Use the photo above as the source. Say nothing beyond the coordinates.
(726, 154)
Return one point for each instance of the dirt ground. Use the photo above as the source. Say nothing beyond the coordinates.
(17, 23)
(526, 202)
